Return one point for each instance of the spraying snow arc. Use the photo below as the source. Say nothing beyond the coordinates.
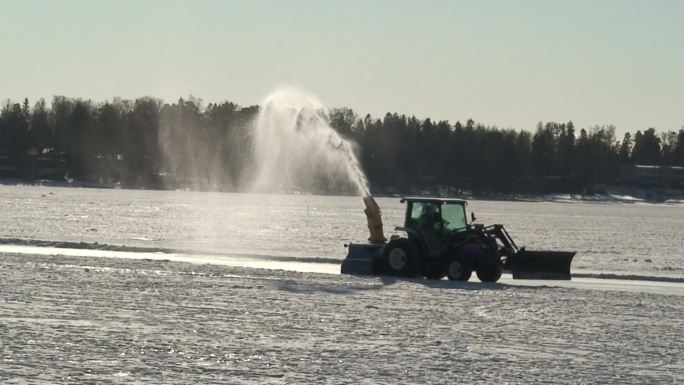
(295, 148)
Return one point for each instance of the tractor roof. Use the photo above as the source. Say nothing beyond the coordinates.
(433, 200)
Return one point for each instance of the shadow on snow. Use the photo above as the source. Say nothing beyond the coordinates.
(383, 282)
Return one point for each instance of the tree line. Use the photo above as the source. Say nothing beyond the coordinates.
(149, 143)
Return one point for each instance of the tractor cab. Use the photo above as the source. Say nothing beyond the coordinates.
(434, 220)
(435, 214)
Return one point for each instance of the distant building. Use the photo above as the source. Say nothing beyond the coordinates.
(652, 176)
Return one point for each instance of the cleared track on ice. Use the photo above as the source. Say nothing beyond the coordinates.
(308, 266)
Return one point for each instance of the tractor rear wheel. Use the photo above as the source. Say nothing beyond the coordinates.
(458, 269)
(399, 259)
(490, 273)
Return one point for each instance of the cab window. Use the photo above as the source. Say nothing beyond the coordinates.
(453, 216)
(424, 214)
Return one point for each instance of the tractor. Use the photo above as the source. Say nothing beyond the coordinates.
(438, 241)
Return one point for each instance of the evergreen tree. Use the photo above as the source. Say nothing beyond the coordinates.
(678, 151)
(626, 149)
(646, 148)
(669, 142)
(566, 149)
(14, 135)
(543, 150)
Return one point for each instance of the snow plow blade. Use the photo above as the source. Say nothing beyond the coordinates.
(362, 259)
(541, 264)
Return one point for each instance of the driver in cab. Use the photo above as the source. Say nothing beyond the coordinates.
(430, 226)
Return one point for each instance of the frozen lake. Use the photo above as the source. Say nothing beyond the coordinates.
(93, 316)
(620, 238)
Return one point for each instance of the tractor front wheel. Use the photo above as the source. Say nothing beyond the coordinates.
(489, 273)
(458, 269)
(399, 259)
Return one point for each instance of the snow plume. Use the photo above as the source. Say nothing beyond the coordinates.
(295, 149)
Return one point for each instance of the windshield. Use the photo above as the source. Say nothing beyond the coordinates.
(453, 216)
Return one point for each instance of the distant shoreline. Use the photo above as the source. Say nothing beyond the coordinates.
(613, 194)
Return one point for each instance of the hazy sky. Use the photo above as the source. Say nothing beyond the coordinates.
(506, 63)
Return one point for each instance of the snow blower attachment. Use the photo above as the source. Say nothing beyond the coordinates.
(440, 242)
(374, 218)
(361, 257)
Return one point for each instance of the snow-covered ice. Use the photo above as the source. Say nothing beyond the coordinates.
(116, 309)
(100, 320)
